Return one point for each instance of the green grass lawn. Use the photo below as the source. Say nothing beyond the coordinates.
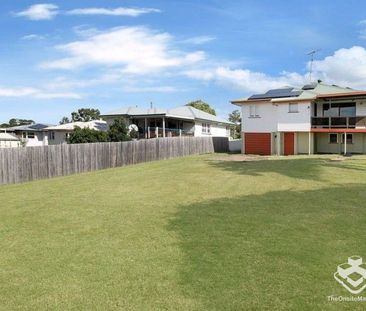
(184, 234)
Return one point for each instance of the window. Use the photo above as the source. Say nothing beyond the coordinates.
(206, 128)
(315, 113)
(67, 136)
(293, 107)
(30, 135)
(24, 135)
(52, 135)
(349, 138)
(339, 110)
(253, 111)
(333, 138)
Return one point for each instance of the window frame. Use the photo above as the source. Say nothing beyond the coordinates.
(52, 136)
(336, 110)
(296, 110)
(206, 128)
(348, 142)
(331, 142)
(253, 111)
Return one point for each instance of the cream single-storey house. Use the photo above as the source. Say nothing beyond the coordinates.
(8, 140)
(180, 121)
(31, 135)
(315, 118)
(58, 134)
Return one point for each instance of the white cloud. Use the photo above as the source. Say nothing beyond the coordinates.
(362, 31)
(32, 37)
(346, 67)
(137, 50)
(35, 93)
(199, 40)
(114, 12)
(244, 79)
(47, 11)
(85, 30)
(150, 89)
(43, 11)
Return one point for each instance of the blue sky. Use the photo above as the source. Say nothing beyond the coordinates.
(58, 56)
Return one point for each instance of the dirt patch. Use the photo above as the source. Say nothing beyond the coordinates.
(337, 159)
(239, 158)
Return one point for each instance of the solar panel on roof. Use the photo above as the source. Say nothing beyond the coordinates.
(277, 93)
(309, 86)
(38, 126)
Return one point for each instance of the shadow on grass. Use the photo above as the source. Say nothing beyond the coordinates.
(352, 165)
(273, 251)
(295, 168)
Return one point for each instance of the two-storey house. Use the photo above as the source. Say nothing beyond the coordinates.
(316, 118)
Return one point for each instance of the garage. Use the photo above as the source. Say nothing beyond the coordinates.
(258, 143)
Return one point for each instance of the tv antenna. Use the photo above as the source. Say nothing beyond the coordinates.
(311, 54)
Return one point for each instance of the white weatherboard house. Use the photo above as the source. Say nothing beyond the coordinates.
(8, 140)
(180, 121)
(316, 118)
(58, 134)
(37, 134)
(31, 135)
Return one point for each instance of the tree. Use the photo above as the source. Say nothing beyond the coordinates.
(64, 120)
(16, 122)
(134, 134)
(118, 131)
(87, 135)
(235, 118)
(201, 105)
(85, 115)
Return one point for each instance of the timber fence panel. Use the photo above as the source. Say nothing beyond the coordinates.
(32, 163)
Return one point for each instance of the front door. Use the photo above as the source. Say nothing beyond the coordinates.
(289, 143)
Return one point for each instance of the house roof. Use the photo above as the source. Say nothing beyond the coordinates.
(35, 127)
(307, 92)
(182, 112)
(99, 125)
(8, 137)
(136, 111)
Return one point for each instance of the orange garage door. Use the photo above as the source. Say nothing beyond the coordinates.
(258, 143)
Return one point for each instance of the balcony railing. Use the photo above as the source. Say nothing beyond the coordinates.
(154, 132)
(338, 122)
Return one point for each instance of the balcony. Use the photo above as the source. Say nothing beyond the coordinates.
(338, 122)
(154, 132)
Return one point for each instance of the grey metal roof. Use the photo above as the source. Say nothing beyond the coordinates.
(136, 111)
(182, 112)
(8, 137)
(35, 127)
(99, 125)
(306, 92)
(195, 114)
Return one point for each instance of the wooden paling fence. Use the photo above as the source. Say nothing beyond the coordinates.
(31, 163)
